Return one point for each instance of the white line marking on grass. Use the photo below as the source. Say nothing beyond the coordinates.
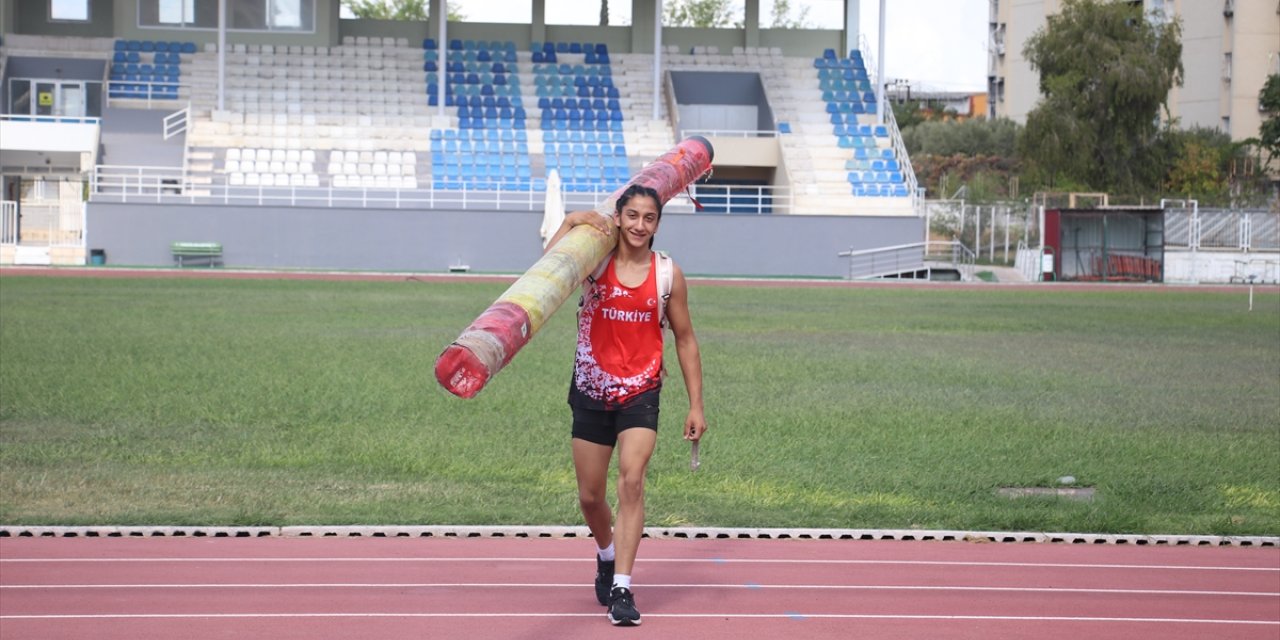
(749, 616)
(574, 585)
(817, 561)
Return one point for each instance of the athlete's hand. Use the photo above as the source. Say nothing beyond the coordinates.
(601, 223)
(694, 425)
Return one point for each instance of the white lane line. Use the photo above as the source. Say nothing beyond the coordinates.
(816, 561)
(574, 585)
(752, 616)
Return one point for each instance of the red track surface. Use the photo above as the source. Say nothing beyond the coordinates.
(387, 588)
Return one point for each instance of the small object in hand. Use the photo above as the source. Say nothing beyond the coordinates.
(694, 463)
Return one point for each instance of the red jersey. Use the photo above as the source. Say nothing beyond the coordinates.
(619, 339)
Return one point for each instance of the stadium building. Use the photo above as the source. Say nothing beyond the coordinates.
(148, 132)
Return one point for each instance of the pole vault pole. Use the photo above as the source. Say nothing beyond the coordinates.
(494, 338)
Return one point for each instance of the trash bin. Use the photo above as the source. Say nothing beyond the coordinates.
(97, 257)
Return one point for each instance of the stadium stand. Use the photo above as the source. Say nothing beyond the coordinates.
(364, 114)
(147, 69)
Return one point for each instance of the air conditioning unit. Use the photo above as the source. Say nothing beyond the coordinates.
(1228, 8)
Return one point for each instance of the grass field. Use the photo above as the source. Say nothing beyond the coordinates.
(220, 402)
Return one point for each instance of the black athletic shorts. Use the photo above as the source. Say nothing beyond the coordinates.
(603, 426)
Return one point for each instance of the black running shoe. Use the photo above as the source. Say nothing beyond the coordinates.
(622, 608)
(604, 580)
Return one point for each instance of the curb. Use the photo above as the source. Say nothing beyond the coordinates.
(677, 533)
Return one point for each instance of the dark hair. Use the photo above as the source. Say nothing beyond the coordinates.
(638, 190)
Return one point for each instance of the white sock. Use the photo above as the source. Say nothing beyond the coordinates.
(621, 580)
(607, 554)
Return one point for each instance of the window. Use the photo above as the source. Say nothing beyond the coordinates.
(69, 10)
(272, 15)
(575, 12)
(179, 14)
(242, 15)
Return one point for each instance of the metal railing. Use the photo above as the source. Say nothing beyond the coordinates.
(743, 199)
(8, 222)
(153, 93)
(176, 122)
(12, 117)
(116, 183)
(171, 185)
(1195, 228)
(730, 133)
(915, 259)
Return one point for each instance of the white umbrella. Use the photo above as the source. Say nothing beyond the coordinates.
(553, 213)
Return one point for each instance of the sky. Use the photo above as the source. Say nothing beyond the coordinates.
(935, 44)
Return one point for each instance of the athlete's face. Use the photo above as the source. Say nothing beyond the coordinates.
(638, 221)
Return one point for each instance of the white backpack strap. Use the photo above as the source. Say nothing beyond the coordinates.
(666, 279)
(592, 278)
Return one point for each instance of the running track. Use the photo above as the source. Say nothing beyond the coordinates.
(389, 588)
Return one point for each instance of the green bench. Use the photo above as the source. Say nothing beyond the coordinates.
(209, 252)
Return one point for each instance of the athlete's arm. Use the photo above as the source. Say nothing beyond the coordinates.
(601, 223)
(688, 354)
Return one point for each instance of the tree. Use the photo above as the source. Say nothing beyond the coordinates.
(706, 14)
(1269, 133)
(399, 10)
(1105, 76)
(782, 19)
(604, 13)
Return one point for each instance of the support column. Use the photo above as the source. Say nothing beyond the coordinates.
(851, 26)
(538, 24)
(751, 23)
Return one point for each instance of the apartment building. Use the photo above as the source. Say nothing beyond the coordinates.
(1229, 47)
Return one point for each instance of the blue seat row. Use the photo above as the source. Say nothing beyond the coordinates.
(493, 164)
(472, 45)
(466, 111)
(849, 96)
(551, 80)
(535, 184)
(581, 125)
(472, 57)
(855, 142)
(148, 46)
(872, 165)
(840, 84)
(841, 108)
(486, 78)
(859, 75)
(841, 63)
(481, 122)
(470, 67)
(864, 153)
(552, 91)
(614, 138)
(473, 172)
(881, 190)
(135, 57)
(574, 115)
(120, 68)
(865, 130)
(589, 150)
(484, 102)
(479, 136)
(611, 104)
(569, 47)
(868, 177)
(464, 157)
(510, 91)
(565, 69)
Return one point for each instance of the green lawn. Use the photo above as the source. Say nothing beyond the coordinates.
(219, 402)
